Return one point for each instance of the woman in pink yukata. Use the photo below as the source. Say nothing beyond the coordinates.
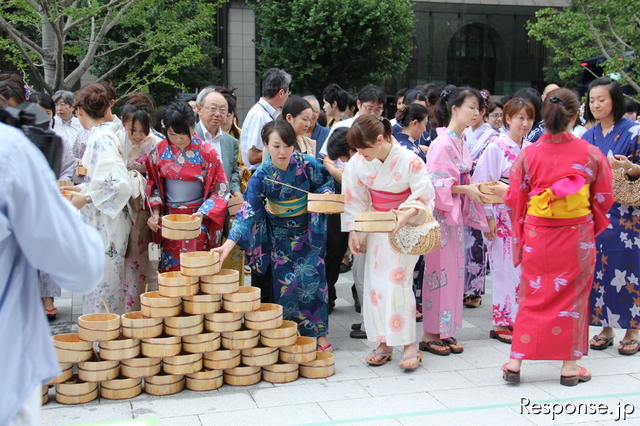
(458, 203)
(495, 164)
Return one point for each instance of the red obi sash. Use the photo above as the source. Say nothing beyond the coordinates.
(384, 201)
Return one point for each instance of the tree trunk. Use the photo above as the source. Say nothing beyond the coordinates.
(50, 46)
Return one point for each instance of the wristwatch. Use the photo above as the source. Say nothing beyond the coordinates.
(87, 199)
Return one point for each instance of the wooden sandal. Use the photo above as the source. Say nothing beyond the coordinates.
(510, 376)
(409, 357)
(385, 358)
(582, 376)
(454, 346)
(499, 335)
(432, 345)
(472, 301)
(601, 343)
(623, 343)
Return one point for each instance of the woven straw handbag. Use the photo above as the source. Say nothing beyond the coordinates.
(625, 191)
(417, 239)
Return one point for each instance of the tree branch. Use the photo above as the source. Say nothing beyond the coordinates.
(113, 4)
(17, 36)
(120, 46)
(620, 40)
(121, 63)
(34, 69)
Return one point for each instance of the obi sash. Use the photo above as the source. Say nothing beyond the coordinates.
(288, 208)
(384, 201)
(567, 198)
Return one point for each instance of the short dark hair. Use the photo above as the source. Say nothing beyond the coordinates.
(294, 106)
(533, 96)
(630, 105)
(432, 92)
(400, 93)
(365, 130)
(140, 108)
(371, 93)
(334, 93)
(229, 94)
(454, 96)
(179, 117)
(494, 105)
(559, 107)
(44, 100)
(413, 95)
(617, 98)
(514, 106)
(282, 128)
(273, 81)
(411, 112)
(337, 145)
(12, 87)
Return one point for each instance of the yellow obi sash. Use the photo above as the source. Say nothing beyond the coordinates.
(288, 208)
(567, 198)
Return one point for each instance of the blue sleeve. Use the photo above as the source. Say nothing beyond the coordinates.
(49, 230)
(251, 213)
(321, 180)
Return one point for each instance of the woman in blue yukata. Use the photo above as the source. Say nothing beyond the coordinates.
(280, 237)
(615, 297)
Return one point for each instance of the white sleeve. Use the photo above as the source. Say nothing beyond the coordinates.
(489, 169)
(356, 195)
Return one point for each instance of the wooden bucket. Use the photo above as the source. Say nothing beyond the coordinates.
(259, 356)
(221, 322)
(198, 263)
(325, 203)
(96, 370)
(140, 367)
(246, 299)
(121, 388)
(180, 226)
(70, 348)
(119, 349)
(75, 391)
(164, 384)
(487, 189)
(234, 205)
(285, 335)
(241, 339)
(242, 376)
(154, 305)
(99, 327)
(182, 364)
(375, 221)
(45, 394)
(304, 350)
(184, 325)
(175, 284)
(224, 282)
(136, 326)
(267, 317)
(67, 372)
(222, 359)
(321, 367)
(162, 346)
(201, 343)
(205, 380)
(280, 373)
(201, 304)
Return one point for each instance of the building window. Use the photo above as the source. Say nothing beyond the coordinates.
(471, 57)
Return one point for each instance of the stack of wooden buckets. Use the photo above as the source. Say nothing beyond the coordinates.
(199, 331)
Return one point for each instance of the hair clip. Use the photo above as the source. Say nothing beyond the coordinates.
(380, 118)
(556, 100)
(27, 91)
(445, 94)
(485, 95)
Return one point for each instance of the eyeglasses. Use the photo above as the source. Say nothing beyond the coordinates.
(214, 110)
(496, 115)
(372, 109)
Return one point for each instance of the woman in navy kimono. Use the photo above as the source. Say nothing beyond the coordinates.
(280, 237)
(615, 297)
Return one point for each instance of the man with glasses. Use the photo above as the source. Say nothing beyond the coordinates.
(212, 109)
(68, 128)
(275, 92)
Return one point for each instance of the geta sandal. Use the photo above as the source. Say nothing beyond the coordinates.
(472, 301)
(454, 346)
(601, 344)
(582, 376)
(510, 376)
(415, 355)
(385, 357)
(499, 335)
(432, 345)
(623, 343)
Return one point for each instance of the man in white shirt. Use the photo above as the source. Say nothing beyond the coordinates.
(68, 128)
(212, 109)
(370, 101)
(275, 92)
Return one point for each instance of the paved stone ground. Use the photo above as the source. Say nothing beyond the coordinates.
(457, 389)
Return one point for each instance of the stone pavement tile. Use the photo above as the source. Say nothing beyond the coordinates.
(287, 415)
(351, 369)
(80, 414)
(388, 406)
(615, 365)
(179, 421)
(485, 417)
(572, 412)
(531, 373)
(308, 393)
(451, 362)
(378, 422)
(187, 403)
(242, 389)
(480, 355)
(301, 381)
(598, 385)
(489, 395)
(415, 382)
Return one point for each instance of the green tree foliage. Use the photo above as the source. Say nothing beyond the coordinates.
(588, 29)
(322, 41)
(135, 43)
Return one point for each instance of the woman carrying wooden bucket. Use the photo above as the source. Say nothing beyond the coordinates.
(385, 177)
(281, 237)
